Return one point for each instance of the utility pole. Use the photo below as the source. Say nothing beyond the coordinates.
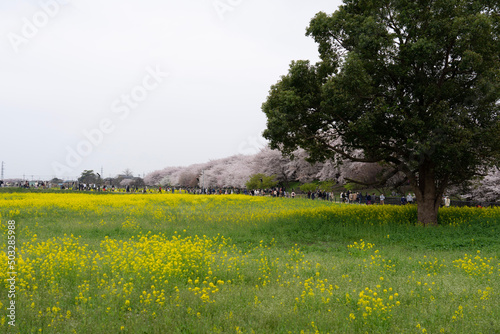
(2, 169)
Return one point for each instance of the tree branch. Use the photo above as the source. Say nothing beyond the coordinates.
(380, 182)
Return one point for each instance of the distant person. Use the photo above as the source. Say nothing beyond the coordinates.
(382, 199)
(409, 198)
(293, 194)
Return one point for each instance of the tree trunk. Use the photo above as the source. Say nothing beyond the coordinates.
(427, 210)
(428, 195)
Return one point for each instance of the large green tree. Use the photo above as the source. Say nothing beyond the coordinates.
(413, 85)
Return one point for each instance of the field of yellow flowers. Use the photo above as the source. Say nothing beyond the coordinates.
(163, 263)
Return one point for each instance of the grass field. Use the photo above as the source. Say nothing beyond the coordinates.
(158, 263)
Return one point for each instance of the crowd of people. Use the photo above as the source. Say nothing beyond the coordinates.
(359, 198)
(349, 197)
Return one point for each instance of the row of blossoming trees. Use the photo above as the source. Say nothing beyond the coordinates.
(235, 171)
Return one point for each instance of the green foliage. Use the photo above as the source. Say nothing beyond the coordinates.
(293, 185)
(308, 187)
(414, 85)
(326, 185)
(56, 180)
(349, 186)
(88, 176)
(261, 181)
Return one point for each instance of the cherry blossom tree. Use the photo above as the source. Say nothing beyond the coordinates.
(235, 172)
(487, 189)
(154, 178)
(272, 162)
(300, 169)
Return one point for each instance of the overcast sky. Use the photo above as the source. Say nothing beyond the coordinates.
(143, 85)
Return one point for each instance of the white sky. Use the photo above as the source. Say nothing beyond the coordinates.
(66, 66)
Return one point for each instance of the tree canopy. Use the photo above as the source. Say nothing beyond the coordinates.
(261, 181)
(88, 176)
(413, 85)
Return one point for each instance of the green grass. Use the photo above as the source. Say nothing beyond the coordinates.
(147, 263)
